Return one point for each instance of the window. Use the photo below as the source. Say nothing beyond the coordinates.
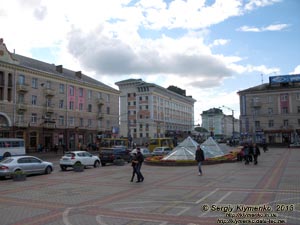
(99, 95)
(48, 84)
(108, 98)
(71, 90)
(107, 110)
(141, 135)
(146, 97)
(128, 95)
(61, 120)
(21, 79)
(146, 106)
(80, 92)
(61, 88)
(298, 109)
(33, 100)
(89, 122)
(80, 106)
(71, 105)
(33, 118)
(284, 110)
(284, 97)
(61, 104)
(271, 123)
(257, 124)
(34, 83)
(90, 94)
(141, 98)
(90, 108)
(298, 96)
(270, 111)
(285, 123)
(21, 98)
(298, 122)
(81, 122)
(128, 103)
(71, 121)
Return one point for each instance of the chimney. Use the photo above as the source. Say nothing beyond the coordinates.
(78, 74)
(59, 68)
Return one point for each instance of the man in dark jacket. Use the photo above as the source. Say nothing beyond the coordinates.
(140, 160)
(199, 157)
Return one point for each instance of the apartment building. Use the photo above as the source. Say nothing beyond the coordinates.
(47, 104)
(150, 111)
(219, 125)
(271, 112)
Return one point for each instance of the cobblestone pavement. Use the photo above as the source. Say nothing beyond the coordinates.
(228, 193)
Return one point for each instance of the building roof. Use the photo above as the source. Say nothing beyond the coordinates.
(141, 83)
(34, 64)
(272, 86)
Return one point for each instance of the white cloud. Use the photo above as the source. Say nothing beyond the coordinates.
(253, 4)
(273, 27)
(296, 70)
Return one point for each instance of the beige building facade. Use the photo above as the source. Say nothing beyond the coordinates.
(47, 104)
(151, 111)
(271, 112)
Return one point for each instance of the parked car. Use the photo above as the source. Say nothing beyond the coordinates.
(145, 151)
(161, 151)
(83, 157)
(108, 155)
(27, 164)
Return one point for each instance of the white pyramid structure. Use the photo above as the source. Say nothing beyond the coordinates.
(211, 148)
(184, 151)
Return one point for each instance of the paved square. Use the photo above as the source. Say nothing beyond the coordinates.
(227, 193)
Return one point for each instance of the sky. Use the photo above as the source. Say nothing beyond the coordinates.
(210, 48)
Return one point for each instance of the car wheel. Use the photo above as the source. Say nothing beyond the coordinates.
(63, 168)
(96, 164)
(6, 154)
(48, 170)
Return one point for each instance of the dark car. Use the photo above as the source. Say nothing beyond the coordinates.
(109, 155)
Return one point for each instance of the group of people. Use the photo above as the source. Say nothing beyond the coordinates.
(136, 164)
(249, 153)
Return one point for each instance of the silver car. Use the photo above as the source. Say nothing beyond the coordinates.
(26, 164)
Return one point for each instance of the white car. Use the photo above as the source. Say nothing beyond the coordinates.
(83, 157)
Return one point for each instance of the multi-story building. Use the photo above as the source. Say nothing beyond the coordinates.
(271, 112)
(219, 125)
(149, 110)
(47, 104)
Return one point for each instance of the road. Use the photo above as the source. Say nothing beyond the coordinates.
(228, 192)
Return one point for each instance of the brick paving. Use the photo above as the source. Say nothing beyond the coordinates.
(168, 196)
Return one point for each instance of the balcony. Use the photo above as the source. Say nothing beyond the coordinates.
(21, 107)
(50, 125)
(256, 104)
(21, 124)
(49, 109)
(22, 88)
(49, 92)
(100, 115)
(100, 101)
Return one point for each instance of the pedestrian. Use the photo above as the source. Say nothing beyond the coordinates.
(56, 148)
(134, 163)
(256, 153)
(140, 160)
(199, 157)
(246, 154)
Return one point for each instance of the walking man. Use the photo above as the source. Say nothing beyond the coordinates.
(199, 158)
(140, 160)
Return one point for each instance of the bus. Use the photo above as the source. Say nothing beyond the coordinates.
(112, 142)
(11, 147)
(160, 142)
